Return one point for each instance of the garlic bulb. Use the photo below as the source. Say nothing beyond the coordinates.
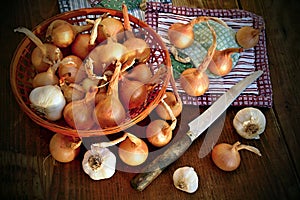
(249, 123)
(186, 179)
(99, 163)
(48, 101)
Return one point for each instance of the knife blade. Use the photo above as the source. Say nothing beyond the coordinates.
(196, 128)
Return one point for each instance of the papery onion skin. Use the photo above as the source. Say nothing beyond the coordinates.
(159, 133)
(139, 47)
(110, 27)
(133, 94)
(221, 63)
(79, 114)
(81, 47)
(140, 72)
(53, 54)
(226, 157)
(61, 148)
(105, 54)
(193, 82)
(175, 106)
(72, 92)
(109, 112)
(181, 35)
(71, 69)
(44, 78)
(62, 33)
(247, 37)
(131, 154)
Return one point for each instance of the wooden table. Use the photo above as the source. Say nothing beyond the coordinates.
(27, 174)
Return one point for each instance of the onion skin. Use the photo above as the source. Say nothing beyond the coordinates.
(175, 106)
(63, 148)
(140, 72)
(61, 33)
(79, 114)
(110, 27)
(133, 94)
(193, 82)
(70, 68)
(159, 133)
(247, 37)
(105, 54)
(133, 154)
(45, 54)
(81, 47)
(53, 54)
(72, 92)
(109, 112)
(139, 49)
(45, 78)
(181, 35)
(226, 157)
(221, 63)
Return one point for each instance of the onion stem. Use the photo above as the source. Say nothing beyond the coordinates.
(173, 118)
(33, 38)
(89, 69)
(133, 139)
(94, 32)
(206, 18)
(249, 148)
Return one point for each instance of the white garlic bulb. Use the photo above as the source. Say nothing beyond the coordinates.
(249, 123)
(48, 101)
(99, 163)
(186, 179)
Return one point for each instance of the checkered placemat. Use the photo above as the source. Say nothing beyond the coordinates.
(160, 16)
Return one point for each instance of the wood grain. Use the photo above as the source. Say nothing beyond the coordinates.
(28, 173)
(284, 53)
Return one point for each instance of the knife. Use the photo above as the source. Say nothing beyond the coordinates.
(197, 126)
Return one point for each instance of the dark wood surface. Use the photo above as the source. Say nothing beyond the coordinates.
(27, 173)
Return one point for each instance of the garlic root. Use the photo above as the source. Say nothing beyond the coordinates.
(249, 123)
(186, 179)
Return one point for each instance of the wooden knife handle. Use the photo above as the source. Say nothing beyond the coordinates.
(153, 170)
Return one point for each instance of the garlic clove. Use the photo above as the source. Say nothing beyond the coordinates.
(249, 123)
(186, 179)
(99, 163)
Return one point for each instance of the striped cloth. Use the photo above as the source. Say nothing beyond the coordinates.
(160, 17)
(160, 13)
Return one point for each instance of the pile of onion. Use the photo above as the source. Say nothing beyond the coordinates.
(103, 62)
